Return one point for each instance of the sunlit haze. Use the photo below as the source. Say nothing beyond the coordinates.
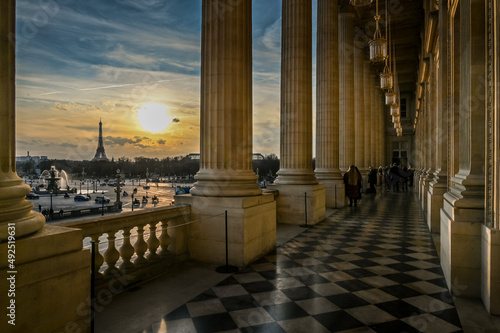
(81, 61)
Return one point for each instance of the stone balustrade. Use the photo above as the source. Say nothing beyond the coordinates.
(134, 246)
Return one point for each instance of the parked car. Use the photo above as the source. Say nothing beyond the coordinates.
(101, 199)
(32, 195)
(80, 197)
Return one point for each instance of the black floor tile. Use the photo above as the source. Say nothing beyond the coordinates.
(394, 326)
(285, 311)
(258, 286)
(239, 302)
(399, 309)
(347, 300)
(214, 323)
(300, 293)
(338, 321)
(181, 312)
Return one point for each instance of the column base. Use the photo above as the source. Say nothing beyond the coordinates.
(14, 208)
(251, 228)
(425, 189)
(292, 199)
(437, 189)
(52, 282)
(490, 275)
(461, 246)
(334, 192)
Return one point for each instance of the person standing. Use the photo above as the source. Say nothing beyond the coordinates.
(372, 180)
(353, 181)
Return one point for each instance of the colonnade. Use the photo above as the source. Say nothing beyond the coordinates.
(457, 141)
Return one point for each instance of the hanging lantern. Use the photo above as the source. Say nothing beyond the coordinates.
(378, 45)
(394, 109)
(360, 3)
(386, 78)
(390, 98)
(396, 119)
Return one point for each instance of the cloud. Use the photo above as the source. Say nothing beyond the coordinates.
(161, 141)
(176, 120)
(272, 36)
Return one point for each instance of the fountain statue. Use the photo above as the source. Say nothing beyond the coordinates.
(57, 182)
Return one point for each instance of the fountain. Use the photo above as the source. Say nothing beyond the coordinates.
(56, 182)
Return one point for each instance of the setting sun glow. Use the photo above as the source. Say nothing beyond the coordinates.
(153, 117)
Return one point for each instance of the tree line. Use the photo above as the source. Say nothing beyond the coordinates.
(179, 166)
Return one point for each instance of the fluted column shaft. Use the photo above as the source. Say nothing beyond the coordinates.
(359, 105)
(374, 111)
(367, 96)
(327, 92)
(346, 89)
(226, 101)
(14, 208)
(296, 94)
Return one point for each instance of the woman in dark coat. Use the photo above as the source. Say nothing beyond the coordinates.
(353, 181)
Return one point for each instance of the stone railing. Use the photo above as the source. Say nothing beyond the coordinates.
(134, 246)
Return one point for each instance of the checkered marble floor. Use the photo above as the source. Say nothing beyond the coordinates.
(371, 268)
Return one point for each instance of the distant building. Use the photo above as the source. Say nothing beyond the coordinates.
(35, 159)
(196, 156)
(100, 154)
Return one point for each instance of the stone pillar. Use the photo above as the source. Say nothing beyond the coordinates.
(45, 286)
(463, 209)
(226, 181)
(359, 106)
(438, 185)
(297, 184)
(490, 233)
(374, 111)
(327, 105)
(367, 112)
(346, 87)
(14, 208)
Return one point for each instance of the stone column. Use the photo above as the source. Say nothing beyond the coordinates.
(226, 103)
(359, 107)
(297, 184)
(14, 208)
(380, 131)
(438, 185)
(50, 270)
(463, 209)
(490, 235)
(368, 115)
(226, 181)
(374, 111)
(346, 88)
(327, 105)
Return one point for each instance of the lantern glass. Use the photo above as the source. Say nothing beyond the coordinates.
(378, 48)
(390, 98)
(394, 110)
(386, 81)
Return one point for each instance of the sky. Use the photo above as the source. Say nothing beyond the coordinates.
(124, 61)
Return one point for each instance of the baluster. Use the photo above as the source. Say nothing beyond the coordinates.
(111, 255)
(140, 247)
(153, 243)
(98, 258)
(126, 252)
(165, 241)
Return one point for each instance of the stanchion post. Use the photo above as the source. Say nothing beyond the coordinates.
(227, 268)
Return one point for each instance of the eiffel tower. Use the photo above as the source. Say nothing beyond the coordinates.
(100, 154)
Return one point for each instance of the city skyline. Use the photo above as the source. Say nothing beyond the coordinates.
(123, 61)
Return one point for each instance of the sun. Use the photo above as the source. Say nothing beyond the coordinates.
(153, 117)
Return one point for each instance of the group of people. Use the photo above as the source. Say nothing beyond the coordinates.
(393, 177)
